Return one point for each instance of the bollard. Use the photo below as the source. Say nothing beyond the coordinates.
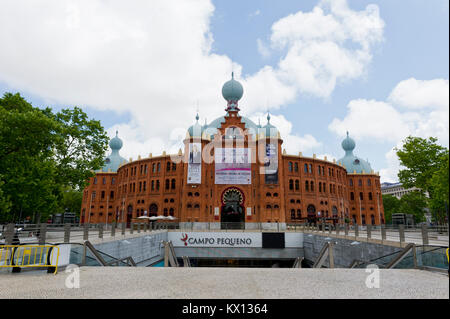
(131, 228)
(337, 229)
(425, 240)
(356, 230)
(139, 227)
(401, 233)
(329, 229)
(66, 233)
(113, 229)
(42, 234)
(145, 227)
(123, 228)
(383, 232)
(85, 231)
(100, 231)
(346, 229)
(9, 234)
(369, 231)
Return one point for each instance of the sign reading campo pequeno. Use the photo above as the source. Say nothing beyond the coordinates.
(206, 239)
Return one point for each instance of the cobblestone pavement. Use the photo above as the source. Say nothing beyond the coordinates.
(217, 283)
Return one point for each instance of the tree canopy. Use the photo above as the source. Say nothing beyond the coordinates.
(43, 153)
(426, 167)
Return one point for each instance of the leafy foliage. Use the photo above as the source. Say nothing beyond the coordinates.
(391, 206)
(426, 167)
(413, 203)
(42, 154)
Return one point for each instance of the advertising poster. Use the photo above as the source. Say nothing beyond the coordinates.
(271, 164)
(233, 166)
(195, 163)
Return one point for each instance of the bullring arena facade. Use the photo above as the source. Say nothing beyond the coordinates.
(233, 173)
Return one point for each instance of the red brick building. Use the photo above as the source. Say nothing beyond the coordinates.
(234, 172)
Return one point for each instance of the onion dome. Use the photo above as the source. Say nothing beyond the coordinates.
(232, 92)
(114, 160)
(196, 130)
(352, 163)
(269, 130)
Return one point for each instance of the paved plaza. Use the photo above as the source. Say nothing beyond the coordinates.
(226, 283)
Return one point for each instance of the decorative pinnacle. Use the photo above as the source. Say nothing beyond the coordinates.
(197, 117)
(117, 132)
(268, 116)
(232, 75)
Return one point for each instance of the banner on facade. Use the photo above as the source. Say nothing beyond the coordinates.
(233, 166)
(195, 164)
(271, 164)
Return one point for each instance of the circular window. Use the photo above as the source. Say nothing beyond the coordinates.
(356, 161)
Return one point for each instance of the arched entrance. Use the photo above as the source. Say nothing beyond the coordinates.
(311, 214)
(232, 215)
(129, 215)
(153, 210)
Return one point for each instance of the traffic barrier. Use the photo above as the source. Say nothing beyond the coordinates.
(27, 256)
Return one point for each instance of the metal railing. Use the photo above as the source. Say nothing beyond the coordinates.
(29, 256)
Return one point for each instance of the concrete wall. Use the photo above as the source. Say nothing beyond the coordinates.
(240, 253)
(345, 251)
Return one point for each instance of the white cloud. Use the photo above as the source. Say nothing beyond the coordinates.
(262, 49)
(416, 94)
(414, 107)
(153, 59)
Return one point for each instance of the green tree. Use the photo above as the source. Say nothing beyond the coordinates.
(42, 154)
(426, 167)
(422, 158)
(413, 203)
(440, 185)
(391, 206)
(71, 201)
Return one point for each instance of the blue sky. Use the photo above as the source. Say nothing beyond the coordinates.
(413, 45)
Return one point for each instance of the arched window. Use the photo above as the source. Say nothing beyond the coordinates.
(268, 207)
(290, 166)
(292, 213)
(292, 201)
(361, 196)
(352, 196)
(165, 211)
(291, 184)
(154, 168)
(372, 219)
(171, 200)
(168, 167)
(189, 205)
(295, 167)
(196, 206)
(173, 183)
(306, 186)
(370, 196)
(359, 182)
(157, 184)
(104, 181)
(197, 194)
(369, 182)
(310, 168)
(95, 180)
(299, 213)
(268, 195)
(312, 186)
(320, 187)
(275, 194)
(174, 167)
(306, 168)
(171, 212)
(324, 187)
(298, 201)
(363, 219)
(166, 200)
(159, 167)
(351, 182)
(167, 184)
(297, 185)
(189, 194)
(276, 206)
